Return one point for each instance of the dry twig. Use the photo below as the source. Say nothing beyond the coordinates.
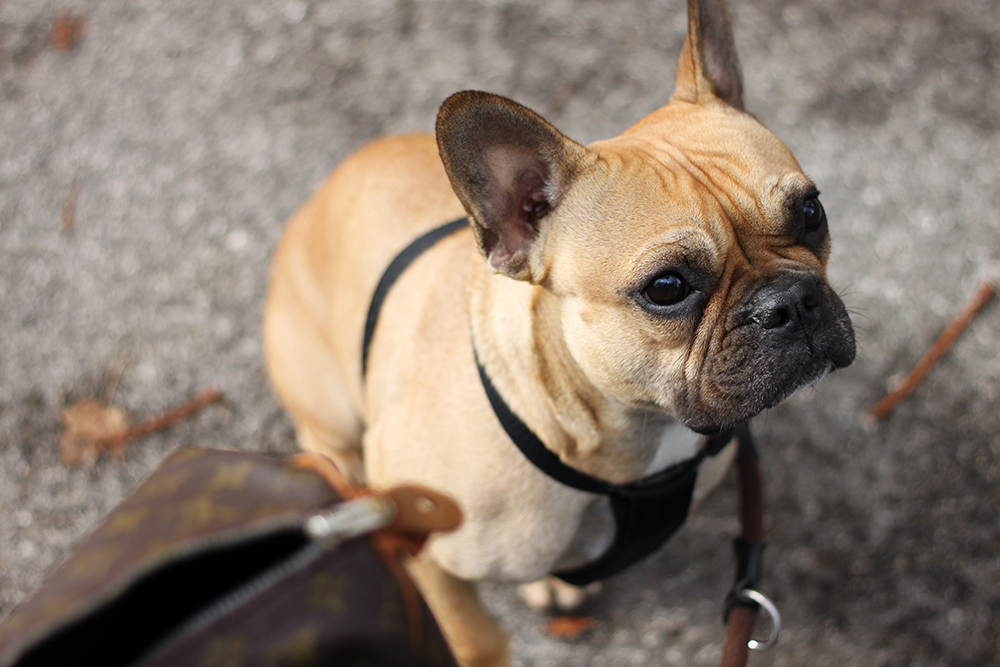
(68, 29)
(166, 420)
(68, 213)
(983, 294)
(569, 627)
(93, 426)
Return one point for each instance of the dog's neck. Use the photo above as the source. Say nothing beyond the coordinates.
(517, 332)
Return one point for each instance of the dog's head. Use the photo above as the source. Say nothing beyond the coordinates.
(688, 255)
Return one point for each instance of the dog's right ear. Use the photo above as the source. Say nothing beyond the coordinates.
(509, 167)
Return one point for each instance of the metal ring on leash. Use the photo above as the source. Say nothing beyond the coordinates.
(772, 612)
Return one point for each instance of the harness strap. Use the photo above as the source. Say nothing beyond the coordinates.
(392, 273)
(647, 512)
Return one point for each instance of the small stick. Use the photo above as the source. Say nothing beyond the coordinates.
(569, 627)
(68, 29)
(69, 205)
(983, 294)
(167, 419)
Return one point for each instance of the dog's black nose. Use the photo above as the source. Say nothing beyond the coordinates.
(787, 304)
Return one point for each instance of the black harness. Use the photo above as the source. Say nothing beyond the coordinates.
(646, 512)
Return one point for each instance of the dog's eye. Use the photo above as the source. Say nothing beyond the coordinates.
(666, 290)
(812, 213)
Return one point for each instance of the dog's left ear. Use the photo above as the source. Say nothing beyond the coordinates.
(509, 167)
(708, 68)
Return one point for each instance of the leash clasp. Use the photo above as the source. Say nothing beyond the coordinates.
(751, 596)
(744, 592)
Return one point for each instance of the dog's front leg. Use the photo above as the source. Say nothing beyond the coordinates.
(473, 635)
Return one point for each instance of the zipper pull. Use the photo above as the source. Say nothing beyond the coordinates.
(350, 519)
(408, 511)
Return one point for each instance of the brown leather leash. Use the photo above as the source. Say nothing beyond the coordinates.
(744, 600)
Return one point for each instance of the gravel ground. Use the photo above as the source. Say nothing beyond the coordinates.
(194, 128)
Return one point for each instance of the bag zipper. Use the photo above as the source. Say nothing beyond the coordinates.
(324, 531)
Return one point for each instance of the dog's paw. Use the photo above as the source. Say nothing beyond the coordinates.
(553, 594)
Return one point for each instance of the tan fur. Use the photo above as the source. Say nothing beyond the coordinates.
(552, 315)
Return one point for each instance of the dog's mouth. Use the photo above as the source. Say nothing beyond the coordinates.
(757, 371)
(738, 408)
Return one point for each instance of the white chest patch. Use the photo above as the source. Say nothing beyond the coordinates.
(677, 443)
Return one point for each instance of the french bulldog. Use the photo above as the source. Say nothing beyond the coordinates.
(625, 299)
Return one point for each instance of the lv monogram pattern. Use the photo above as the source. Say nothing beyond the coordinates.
(343, 608)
